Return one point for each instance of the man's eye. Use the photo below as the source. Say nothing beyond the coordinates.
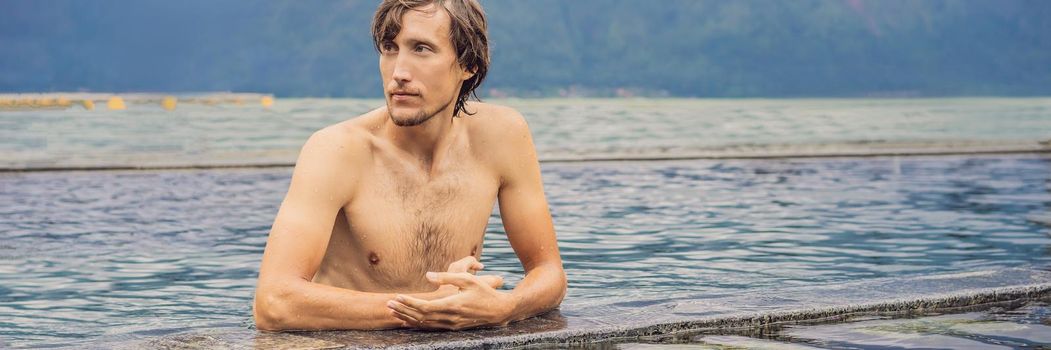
(422, 48)
(388, 47)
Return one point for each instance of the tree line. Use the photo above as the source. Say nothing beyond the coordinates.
(698, 48)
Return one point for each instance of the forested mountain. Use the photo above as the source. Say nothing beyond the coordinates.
(707, 48)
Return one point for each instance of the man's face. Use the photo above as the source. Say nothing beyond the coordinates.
(420, 74)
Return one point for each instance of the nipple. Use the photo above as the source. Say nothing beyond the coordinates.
(373, 258)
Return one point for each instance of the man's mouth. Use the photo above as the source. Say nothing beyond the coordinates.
(403, 94)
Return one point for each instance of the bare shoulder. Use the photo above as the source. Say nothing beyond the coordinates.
(501, 138)
(347, 140)
(339, 148)
(496, 123)
(333, 158)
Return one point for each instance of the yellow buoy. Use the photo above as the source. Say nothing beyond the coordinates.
(267, 101)
(116, 103)
(168, 103)
(88, 104)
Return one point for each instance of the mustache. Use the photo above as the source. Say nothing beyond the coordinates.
(399, 89)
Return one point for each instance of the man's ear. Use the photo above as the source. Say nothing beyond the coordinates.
(467, 74)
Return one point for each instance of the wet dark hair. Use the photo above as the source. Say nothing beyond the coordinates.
(468, 32)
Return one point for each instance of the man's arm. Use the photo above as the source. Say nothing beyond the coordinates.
(286, 298)
(527, 220)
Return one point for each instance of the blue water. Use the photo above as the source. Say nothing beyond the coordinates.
(130, 254)
(123, 255)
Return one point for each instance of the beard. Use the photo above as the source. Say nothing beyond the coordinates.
(419, 118)
(422, 116)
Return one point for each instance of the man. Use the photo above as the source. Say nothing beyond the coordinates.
(383, 222)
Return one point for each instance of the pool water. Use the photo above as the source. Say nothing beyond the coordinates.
(115, 257)
(89, 256)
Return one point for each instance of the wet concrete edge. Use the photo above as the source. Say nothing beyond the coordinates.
(733, 311)
(755, 320)
(934, 302)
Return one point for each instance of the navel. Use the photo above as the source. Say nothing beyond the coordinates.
(474, 250)
(373, 258)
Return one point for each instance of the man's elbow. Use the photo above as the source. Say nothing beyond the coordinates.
(271, 310)
(559, 284)
(564, 281)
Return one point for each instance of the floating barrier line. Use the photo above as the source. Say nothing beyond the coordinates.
(145, 167)
(119, 101)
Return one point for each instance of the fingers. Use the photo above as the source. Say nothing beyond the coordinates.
(459, 265)
(493, 281)
(406, 320)
(472, 263)
(422, 324)
(431, 325)
(467, 264)
(459, 279)
(419, 305)
(410, 311)
(403, 311)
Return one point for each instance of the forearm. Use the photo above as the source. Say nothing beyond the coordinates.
(540, 291)
(305, 305)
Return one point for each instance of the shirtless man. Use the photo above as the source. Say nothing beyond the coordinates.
(383, 222)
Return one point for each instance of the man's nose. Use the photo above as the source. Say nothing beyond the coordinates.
(402, 72)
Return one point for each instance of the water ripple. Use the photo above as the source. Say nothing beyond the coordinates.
(91, 254)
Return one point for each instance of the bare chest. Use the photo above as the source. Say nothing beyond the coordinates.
(403, 225)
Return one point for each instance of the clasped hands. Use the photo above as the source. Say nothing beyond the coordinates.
(463, 300)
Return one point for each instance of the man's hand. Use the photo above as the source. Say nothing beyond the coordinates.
(472, 265)
(468, 264)
(475, 304)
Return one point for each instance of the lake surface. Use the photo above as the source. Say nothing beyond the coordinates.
(94, 255)
(564, 129)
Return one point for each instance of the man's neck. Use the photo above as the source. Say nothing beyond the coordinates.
(427, 142)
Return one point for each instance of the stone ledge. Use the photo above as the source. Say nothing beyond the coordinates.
(703, 312)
